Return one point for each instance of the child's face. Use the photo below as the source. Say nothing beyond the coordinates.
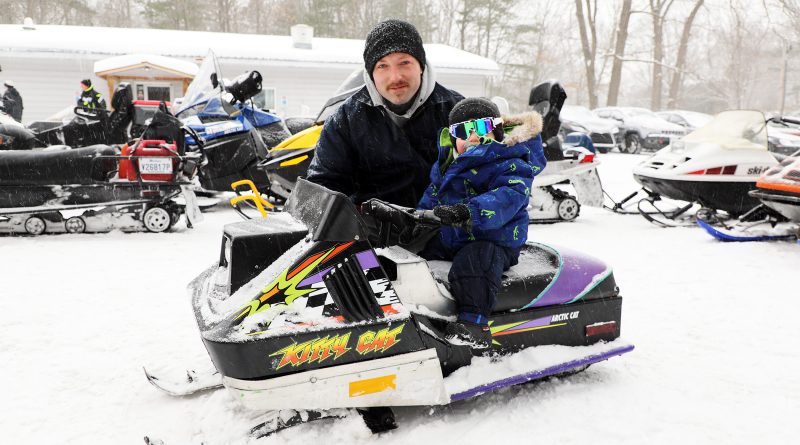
(461, 144)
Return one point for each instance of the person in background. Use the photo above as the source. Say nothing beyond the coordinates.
(480, 187)
(12, 101)
(380, 143)
(90, 98)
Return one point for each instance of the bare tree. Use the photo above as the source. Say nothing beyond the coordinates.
(620, 40)
(588, 19)
(659, 10)
(680, 62)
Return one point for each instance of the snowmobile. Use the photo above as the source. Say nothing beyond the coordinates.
(714, 167)
(778, 189)
(236, 135)
(13, 135)
(310, 314)
(101, 187)
(291, 158)
(83, 127)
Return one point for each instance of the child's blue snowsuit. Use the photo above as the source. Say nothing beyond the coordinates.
(493, 180)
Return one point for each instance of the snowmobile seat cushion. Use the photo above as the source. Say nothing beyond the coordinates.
(61, 167)
(521, 283)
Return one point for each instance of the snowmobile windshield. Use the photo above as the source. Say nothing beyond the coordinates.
(353, 83)
(204, 94)
(736, 129)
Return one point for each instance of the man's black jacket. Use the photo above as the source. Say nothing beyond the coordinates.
(364, 154)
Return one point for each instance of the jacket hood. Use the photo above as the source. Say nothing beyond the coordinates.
(425, 90)
(524, 127)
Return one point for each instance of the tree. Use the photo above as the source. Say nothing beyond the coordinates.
(659, 10)
(680, 62)
(620, 40)
(588, 19)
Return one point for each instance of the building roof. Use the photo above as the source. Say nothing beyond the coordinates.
(143, 65)
(44, 40)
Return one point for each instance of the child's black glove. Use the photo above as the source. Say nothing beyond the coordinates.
(454, 215)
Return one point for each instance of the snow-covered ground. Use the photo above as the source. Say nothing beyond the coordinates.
(714, 324)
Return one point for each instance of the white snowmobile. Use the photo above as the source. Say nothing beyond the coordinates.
(304, 319)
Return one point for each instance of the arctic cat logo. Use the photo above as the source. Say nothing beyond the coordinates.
(756, 170)
(380, 341)
(317, 350)
(565, 316)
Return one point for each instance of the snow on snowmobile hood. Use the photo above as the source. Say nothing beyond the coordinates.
(425, 90)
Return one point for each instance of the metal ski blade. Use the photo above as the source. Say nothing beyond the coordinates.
(283, 419)
(561, 368)
(193, 383)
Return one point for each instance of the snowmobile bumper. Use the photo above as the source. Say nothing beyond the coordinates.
(414, 378)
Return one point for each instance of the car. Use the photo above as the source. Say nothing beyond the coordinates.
(690, 120)
(603, 132)
(641, 128)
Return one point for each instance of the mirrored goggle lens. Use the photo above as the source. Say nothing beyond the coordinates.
(463, 130)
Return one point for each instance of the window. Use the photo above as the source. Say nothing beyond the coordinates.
(158, 93)
(265, 99)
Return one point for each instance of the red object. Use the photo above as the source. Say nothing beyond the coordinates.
(124, 164)
(600, 328)
(148, 103)
(587, 158)
(148, 149)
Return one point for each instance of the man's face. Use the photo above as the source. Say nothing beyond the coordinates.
(397, 77)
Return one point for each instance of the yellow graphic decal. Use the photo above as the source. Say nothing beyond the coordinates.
(372, 386)
(317, 350)
(380, 341)
(287, 283)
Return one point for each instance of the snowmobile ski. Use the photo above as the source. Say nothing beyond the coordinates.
(283, 419)
(193, 383)
(783, 232)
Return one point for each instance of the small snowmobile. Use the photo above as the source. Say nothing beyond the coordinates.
(236, 135)
(714, 167)
(101, 187)
(304, 318)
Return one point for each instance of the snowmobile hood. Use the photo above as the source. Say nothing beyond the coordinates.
(784, 177)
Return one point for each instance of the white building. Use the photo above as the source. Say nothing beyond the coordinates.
(47, 63)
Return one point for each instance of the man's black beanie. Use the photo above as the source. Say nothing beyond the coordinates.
(475, 108)
(392, 36)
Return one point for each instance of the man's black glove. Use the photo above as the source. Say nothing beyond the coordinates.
(454, 215)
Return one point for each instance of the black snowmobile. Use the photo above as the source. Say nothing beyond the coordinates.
(101, 187)
(305, 318)
(93, 126)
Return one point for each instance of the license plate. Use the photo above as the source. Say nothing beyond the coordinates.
(154, 166)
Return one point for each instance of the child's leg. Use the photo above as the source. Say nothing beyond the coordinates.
(475, 278)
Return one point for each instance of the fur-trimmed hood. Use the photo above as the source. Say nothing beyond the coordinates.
(523, 127)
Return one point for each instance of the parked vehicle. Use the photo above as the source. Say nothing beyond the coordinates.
(13, 135)
(641, 128)
(603, 132)
(784, 138)
(690, 120)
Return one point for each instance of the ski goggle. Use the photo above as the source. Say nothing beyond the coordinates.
(481, 127)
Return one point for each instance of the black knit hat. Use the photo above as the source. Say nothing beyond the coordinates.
(392, 36)
(87, 82)
(476, 108)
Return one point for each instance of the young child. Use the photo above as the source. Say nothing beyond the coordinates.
(480, 186)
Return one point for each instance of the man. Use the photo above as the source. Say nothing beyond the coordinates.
(90, 98)
(12, 101)
(381, 143)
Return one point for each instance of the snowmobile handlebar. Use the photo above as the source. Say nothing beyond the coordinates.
(398, 215)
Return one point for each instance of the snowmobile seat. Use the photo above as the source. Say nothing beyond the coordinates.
(525, 281)
(60, 167)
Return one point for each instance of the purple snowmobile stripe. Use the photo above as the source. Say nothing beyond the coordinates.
(522, 378)
(576, 273)
(366, 259)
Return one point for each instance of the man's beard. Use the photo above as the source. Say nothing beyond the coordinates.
(402, 108)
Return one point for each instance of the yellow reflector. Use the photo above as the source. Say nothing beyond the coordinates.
(371, 386)
(294, 161)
